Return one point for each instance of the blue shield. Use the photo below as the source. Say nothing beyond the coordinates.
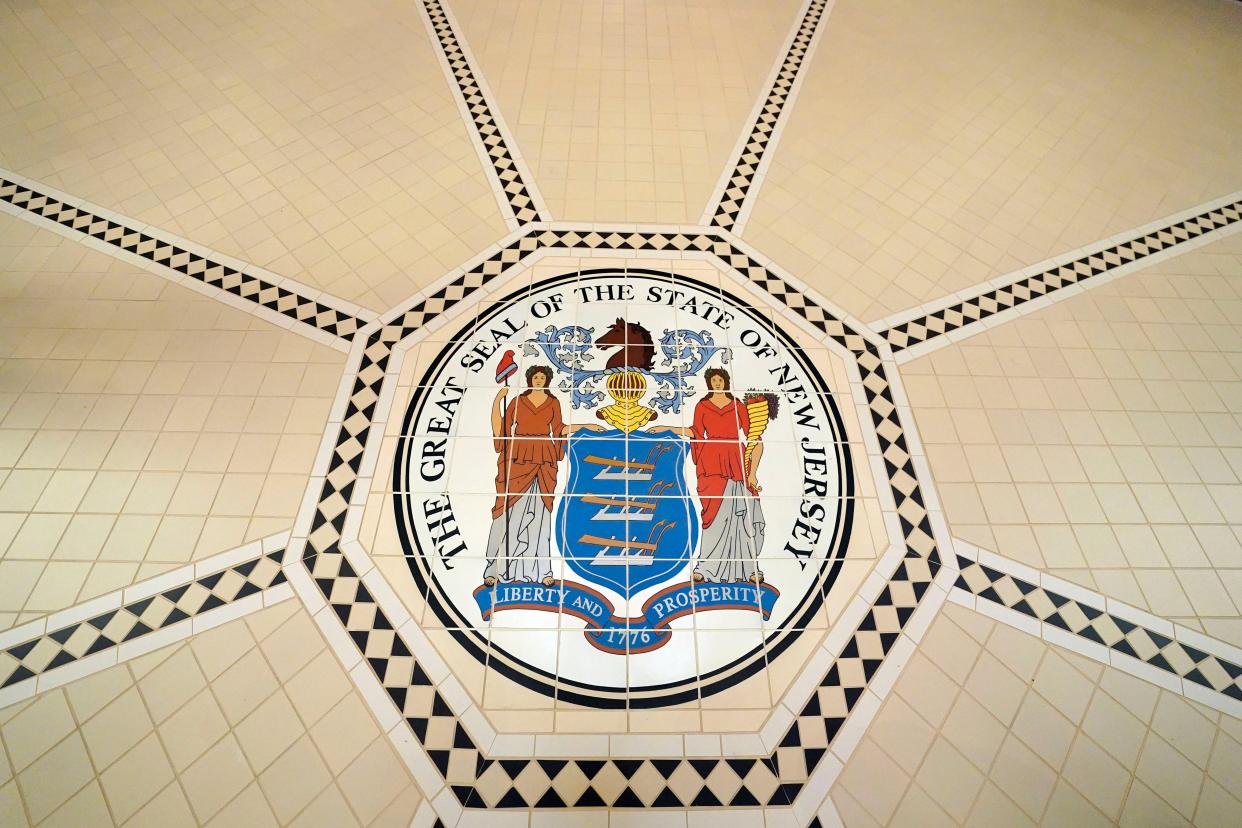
(626, 521)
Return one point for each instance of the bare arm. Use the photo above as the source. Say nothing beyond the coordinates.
(753, 471)
(498, 414)
(682, 430)
(571, 428)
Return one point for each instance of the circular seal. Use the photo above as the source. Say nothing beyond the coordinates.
(622, 489)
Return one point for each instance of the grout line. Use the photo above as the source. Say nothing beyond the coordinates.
(104, 631)
(739, 184)
(277, 300)
(519, 201)
(1101, 628)
(915, 332)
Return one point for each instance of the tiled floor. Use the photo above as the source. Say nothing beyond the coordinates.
(888, 467)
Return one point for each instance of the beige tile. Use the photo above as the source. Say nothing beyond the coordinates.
(116, 728)
(216, 777)
(874, 780)
(294, 779)
(343, 733)
(994, 808)
(1170, 775)
(1216, 806)
(1068, 807)
(248, 808)
(1044, 730)
(1097, 776)
(996, 687)
(950, 779)
(927, 689)
(92, 693)
(1145, 808)
(52, 779)
(170, 685)
(1023, 777)
(902, 734)
(87, 807)
(219, 648)
(974, 731)
(106, 470)
(633, 127)
(196, 726)
(373, 780)
(1110, 725)
(329, 808)
(136, 777)
(917, 808)
(317, 687)
(372, 194)
(292, 645)
(168, 808)
(268, 730)
(400, 812)
(1063, 686)
(1185, 726)
(1121, 393)
(34, 730)
(244, 686)
(11, 811)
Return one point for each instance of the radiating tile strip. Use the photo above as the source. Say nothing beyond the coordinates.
(739, 187)
(478, 781)
(505, 168)
(137, 618)
(1101, 627)
(955, 317)
(313, 312)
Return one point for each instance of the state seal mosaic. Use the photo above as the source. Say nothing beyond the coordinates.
(625, 462)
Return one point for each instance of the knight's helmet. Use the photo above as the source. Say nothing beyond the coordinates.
(626, 387)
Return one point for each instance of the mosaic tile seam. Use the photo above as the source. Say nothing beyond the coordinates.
(521, 201)
(929, 326)
(147, 243)
(740, 185)
(137, 618)
(1097, 625)
(478, 781)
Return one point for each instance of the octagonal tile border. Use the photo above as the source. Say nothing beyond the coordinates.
(426, 711)
(885, 559)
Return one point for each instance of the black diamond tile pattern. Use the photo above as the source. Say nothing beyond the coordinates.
(1101, 627)
(138, 618)
(504, 167)
(742, 179)
(478, 781)
(301, 309)
(941, 322)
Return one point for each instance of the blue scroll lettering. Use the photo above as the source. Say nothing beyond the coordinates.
(607, 631)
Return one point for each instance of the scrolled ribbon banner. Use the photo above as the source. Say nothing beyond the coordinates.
(618, 634)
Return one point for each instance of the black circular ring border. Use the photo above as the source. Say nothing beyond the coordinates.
(700, 686)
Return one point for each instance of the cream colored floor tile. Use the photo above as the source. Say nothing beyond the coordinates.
(1043, 766)
(626, 112)
(148, 426)
(1099, 438)
(131, 739)
(143, 426)
(905, 175)
(320, 142)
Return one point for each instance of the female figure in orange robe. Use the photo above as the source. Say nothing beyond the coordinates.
(529, 437)
(733, 523)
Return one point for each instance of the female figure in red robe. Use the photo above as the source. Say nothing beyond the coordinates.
(733, 522)
(529, 440)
